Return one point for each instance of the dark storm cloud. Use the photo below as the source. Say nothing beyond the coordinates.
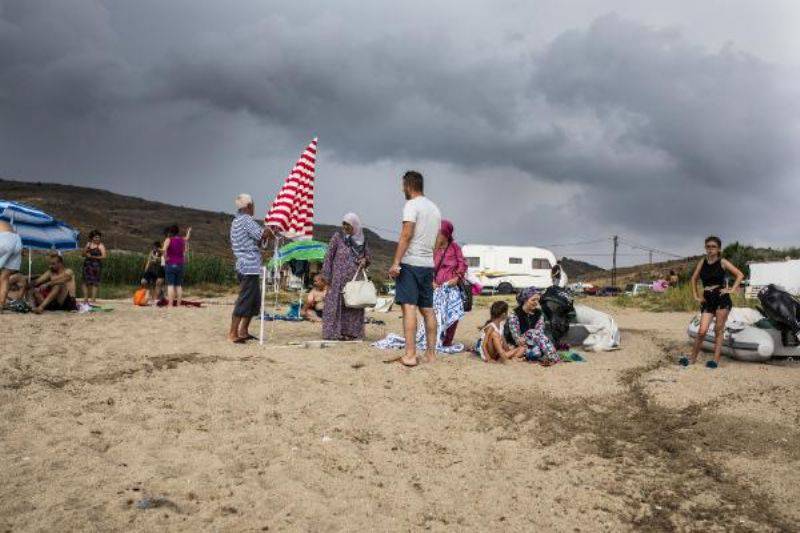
(652, 125)
(642, 129)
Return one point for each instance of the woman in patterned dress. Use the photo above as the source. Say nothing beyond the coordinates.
(526, 328)
(347, 253)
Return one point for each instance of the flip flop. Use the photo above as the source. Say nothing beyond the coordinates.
(712, 364)
(239, 341)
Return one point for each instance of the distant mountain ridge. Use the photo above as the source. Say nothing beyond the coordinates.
(133, 224)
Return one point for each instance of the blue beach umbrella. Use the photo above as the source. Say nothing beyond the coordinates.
(37, 229)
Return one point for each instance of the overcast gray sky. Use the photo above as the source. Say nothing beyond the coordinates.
(534, 122)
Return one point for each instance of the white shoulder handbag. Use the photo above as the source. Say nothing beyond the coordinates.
(360, 294)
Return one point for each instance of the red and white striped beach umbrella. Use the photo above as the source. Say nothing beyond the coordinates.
(292, 212)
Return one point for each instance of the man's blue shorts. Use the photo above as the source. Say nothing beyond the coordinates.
(414, 286)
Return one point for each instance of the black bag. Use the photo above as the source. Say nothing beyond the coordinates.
(466, 294)
(557, 306)
(781, 308)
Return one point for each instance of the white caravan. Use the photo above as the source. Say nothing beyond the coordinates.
(506, 269)
(785, 274)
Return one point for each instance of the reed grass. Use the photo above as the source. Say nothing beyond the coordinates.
(126, 269)
(674, 299)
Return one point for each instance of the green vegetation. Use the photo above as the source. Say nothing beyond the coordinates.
(741, 254)
(676, 299)
(125, 270)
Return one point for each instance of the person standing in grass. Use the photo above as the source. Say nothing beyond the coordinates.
(247, 237)
(174, 250)
(94, 254)
(714, 299)
(413, 266)
(154, 272)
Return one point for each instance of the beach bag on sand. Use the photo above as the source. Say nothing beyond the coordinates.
(359, 294)
(557, 306)
(140, 297)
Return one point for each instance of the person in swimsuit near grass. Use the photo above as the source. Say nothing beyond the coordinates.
(714, 299)
(94, 254)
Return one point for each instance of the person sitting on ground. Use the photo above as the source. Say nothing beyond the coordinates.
(94, 253)
(492, 346)
(153, 276)
(17, 287)
(315, 302)
(10, 258)
(673, 279)
(525, 327)
(55, 289)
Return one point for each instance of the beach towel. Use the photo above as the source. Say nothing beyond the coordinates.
(185, 303)
(449, 309)
(17, 306)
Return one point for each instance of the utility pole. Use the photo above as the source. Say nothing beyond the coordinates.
(651, 256)
(614, 262)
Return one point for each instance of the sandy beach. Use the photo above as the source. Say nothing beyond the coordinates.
(145, 419)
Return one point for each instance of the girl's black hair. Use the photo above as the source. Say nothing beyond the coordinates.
(173, 230)
(497, 310)
(156, 244)
(714, 238)
(94, 233)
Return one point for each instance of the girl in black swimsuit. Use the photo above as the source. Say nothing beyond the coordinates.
(715, 299)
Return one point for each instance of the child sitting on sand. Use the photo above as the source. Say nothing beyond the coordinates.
(314, 304)
(491, 345)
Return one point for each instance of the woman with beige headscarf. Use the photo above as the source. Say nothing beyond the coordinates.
(347, 253)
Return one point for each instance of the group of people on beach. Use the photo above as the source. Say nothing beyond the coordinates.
(426, 259)
(56, 288)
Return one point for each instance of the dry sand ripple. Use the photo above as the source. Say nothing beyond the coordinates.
(147, 419)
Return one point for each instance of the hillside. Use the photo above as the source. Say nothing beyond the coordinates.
(132, 224)
(580, 270)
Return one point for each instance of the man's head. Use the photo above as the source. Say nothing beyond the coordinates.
(413, 184)
(244, 204)
(55, 261)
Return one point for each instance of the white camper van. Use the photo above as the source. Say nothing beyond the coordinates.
(506, 269)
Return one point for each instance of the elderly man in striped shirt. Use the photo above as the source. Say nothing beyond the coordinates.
(247, 236)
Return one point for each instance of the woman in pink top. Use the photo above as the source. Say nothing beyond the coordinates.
(174, 263)
(451, 267)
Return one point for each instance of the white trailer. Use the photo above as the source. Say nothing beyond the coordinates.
(785, 274)
(506, 269)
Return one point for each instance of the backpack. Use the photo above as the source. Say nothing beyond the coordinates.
(557, 307)
(141, 297)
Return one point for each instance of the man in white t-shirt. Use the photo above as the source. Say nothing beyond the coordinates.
(413, 266)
